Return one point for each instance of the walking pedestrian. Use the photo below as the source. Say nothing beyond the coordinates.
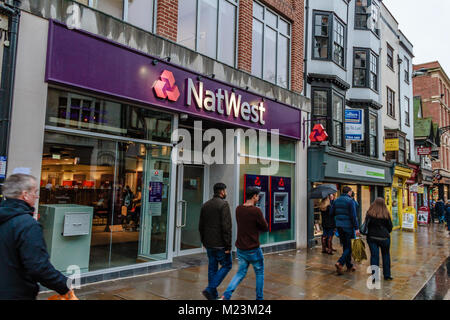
(328, 225)
(215, 233)
(344, 212)
(440, 210)
(379, 225)
(250, 222)
(24, 258)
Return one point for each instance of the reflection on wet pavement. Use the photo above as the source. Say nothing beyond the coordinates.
(305, 274)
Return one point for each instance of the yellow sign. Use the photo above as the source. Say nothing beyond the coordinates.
(391, 145)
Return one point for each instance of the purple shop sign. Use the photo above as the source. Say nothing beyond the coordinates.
(83, 60)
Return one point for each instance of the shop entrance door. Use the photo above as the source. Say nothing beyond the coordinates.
(192, 192)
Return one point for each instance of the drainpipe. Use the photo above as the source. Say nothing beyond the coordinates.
(305, 60)
(399, 63)
(8, 73)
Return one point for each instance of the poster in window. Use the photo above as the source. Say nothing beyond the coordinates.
(156, 188)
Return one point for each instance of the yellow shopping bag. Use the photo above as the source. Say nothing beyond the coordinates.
(358, 250)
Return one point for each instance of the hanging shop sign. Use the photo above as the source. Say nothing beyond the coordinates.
(261, 182)
(391, 145)
(354, 130)
(318, 134)
(423, 151)
(348, 168)
(73, 54)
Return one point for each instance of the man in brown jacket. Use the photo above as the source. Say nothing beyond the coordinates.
(250, 222)
(215, 233)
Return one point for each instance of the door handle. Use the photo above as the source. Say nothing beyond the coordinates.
(184, 213)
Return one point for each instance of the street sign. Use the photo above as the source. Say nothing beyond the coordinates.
(318, 134)
(353, 125)
(391, 145)
(423, 151)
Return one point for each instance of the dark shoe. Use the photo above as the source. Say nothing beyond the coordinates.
(339, 268)
(388, 278)
(351, 269)
(329, 247)
(207, 295)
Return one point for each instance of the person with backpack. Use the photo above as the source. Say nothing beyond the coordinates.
(379, 227)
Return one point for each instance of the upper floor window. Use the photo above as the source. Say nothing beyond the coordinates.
(366, 15)
(329, 45)
(365, 69)
(390, 102)
(390, 57)
(407, 66)
(407, 111)
(328, 110)
(140, 13)
(209, 27)
(373, 131)
(271, 46)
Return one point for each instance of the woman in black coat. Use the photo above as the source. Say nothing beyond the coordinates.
(328, 224)
(379, 226)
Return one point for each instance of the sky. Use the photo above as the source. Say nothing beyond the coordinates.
(427, 25)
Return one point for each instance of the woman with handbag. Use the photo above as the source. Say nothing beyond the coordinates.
(379, 227)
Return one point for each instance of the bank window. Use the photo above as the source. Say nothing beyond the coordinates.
(140, 13)
(390, 57)
(209, 27)
(390, 102)
(271, 46)
(338, 120)
(407, 111)
(407, 66)
(365, 69)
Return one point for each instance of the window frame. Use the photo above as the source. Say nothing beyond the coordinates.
(333, 19)
(279, 34)
(406, 70)
(389, 90)
(407, 112)
(374, 30)
(369, 54)
(368, 114)
(235, 3)
(330, 92)
(388, 57)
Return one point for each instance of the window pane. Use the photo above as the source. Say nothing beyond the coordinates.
(187, 17)
(140, 13)
(359, 77)
(337, 133)
(321, 48)
(258, 11)
(321, 26)
(111, 7)
(360, 59)
(320, 103)
(337, 108)
(207, 33)
(271, 19)
(257, 48)
(283, 61)
(373, 125)
(283, 27)
(227, 31)
(270, 54)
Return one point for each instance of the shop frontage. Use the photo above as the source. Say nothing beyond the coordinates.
(132, 146)
(366, 177)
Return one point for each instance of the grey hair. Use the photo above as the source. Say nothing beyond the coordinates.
(17, 183)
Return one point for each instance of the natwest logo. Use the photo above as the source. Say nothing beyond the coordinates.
(166, 88)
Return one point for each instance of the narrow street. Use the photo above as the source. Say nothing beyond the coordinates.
(419, 265)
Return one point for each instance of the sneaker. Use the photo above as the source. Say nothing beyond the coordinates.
(207, 295)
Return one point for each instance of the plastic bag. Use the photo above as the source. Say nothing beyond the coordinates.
(68, 296)
(358, 250)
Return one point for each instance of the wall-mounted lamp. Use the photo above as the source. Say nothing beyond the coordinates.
(212, 75)
(167, 59)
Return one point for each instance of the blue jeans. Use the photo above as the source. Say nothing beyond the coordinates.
(216, 275)
(246, 257)
(346, 235)
(375, 246)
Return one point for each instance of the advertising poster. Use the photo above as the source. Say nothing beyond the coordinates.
(263, 183)
(280, 210)
(409, 218)
(155, 189)
(422, 215)
(353, 125)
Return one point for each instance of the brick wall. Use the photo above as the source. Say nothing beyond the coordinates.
(292, 10)
(167, 19)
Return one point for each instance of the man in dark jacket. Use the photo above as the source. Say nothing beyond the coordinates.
(24, 259)
(440, 210)
(215, 233)
(344, 211)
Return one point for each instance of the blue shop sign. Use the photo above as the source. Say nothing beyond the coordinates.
(354, 125)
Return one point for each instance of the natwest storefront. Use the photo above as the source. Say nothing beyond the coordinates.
(131, 146)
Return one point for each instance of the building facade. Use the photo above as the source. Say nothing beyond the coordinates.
(432, 84)
(134, 109)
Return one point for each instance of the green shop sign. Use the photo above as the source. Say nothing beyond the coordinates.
(360, 171)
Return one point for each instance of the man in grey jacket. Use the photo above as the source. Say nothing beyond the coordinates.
(215, 233)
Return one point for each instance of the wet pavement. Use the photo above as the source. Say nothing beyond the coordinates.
(419, 263)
